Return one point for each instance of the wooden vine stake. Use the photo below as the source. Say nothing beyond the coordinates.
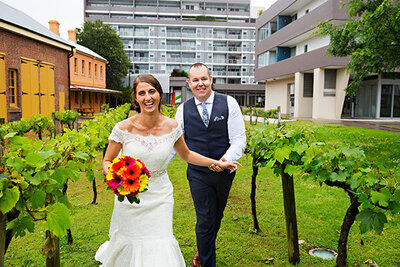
(3, 221)
(51, 249)
(290, 216)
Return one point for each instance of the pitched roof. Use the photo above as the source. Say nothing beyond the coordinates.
(86, 50)
(18, 18)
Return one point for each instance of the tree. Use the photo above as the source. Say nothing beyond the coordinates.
(371, 38)
(102, 39)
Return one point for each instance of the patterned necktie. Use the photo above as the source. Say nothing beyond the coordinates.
(204, 114)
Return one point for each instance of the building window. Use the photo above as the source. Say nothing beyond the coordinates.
(83, 98)
(308, 85)
(305, 48)
(96, 100)
(12, 87)
(101, 71)
(76, 97)
(75, 65)
(330, 82)
(95, 70)
(83, 67)
(90, 69)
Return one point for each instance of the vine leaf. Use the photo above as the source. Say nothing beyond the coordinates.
(9, 196)
(282, 154)
(20, 224)
(382, 197)
(58, 219)
(38, 199)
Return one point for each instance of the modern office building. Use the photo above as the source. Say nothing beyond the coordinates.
(301, 79)
(162, 35)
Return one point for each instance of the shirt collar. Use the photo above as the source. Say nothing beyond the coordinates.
(209, 100)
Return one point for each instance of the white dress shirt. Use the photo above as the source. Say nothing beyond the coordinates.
(236, 129)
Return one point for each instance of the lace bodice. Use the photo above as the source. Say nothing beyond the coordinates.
(154, 151)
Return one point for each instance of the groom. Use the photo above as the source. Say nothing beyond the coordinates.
(213, 126)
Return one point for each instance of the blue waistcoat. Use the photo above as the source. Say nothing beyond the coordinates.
(211, 141)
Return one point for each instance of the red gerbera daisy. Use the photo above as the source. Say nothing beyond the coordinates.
(115, 167)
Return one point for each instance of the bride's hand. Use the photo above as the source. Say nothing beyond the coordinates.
(223, 164)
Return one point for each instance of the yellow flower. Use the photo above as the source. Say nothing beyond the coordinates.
(122, 191)
(109, 175)
(144, 180)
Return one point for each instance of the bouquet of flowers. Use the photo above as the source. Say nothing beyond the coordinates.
(127, 177)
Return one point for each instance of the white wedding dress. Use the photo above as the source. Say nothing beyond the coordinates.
(143, 235)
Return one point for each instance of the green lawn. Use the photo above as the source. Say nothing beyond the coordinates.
(320, 211)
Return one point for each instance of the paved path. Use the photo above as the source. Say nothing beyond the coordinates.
(382, 124)
(389, 125)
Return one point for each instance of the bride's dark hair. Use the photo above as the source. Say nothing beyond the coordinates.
(150, 79)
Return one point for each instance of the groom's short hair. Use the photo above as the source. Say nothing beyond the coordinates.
(199, 65)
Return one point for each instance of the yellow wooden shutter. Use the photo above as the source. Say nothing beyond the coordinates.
(61, 101)
(47, 101)
(3, 106)
(29, 88)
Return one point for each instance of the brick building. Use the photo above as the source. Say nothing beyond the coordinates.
(34, 67)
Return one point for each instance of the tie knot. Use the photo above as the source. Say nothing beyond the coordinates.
(203, 104)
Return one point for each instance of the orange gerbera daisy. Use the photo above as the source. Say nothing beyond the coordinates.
(131, 185)
(132, 172)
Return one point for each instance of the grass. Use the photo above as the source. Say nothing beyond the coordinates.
(320, 211)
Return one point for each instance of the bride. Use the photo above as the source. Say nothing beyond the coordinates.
(144, 231)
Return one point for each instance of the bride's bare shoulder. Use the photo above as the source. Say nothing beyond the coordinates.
(170, 123)
(126, 124)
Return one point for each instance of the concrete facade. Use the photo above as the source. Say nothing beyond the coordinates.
(286, 49)
(306, 58)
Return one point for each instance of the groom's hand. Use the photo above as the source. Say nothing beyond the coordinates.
(216, 168)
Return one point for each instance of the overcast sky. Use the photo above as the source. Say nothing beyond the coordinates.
(69, 13)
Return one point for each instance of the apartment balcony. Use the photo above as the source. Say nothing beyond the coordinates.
(216, 60)
(188, 35)
(141, 59)
(219, 48)
(219, 36)
(219, 73)
(235, 49)
(173, 59)
(141, 46)
(188, 60)
(233, 73)
(188, 47)
(234, 61)
(174, 34)
(234, 36)
(141, 33)
(174, 47)
(141, 71)
(301, 28)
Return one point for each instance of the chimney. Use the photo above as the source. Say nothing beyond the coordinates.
(54, 26)
(72, 35)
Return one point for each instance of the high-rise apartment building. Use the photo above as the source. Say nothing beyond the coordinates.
(162, 35)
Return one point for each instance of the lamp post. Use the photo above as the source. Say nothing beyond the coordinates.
(130, 65)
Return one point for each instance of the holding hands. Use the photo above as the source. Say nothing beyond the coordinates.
(223, 164)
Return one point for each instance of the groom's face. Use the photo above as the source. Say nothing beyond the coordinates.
(200, 83)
